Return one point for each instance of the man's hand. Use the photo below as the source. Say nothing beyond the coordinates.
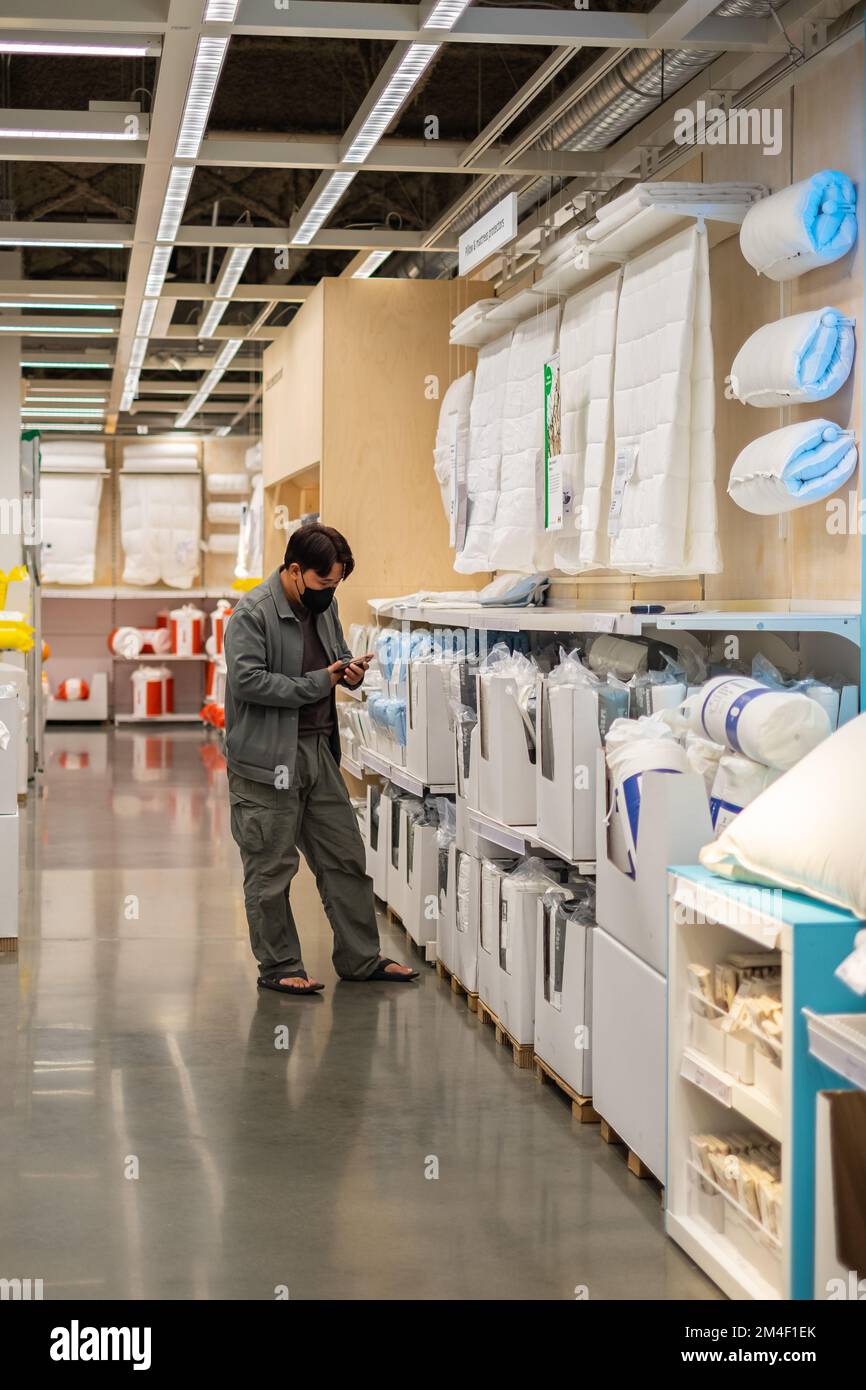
(354, 673)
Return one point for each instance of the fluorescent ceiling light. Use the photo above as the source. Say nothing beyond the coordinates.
(138, 354)
(75, 412)
(71, 428)
(231, 271)
(175, 201)
(414, 63)
(34, 330)
(127, 398)
(212, 318)
(371, 264)
(63, 241)
(92, 366)
(51, 304)
(222, 431)
(214, 375)
(445, 14)
(38, 399)
(209, 56)
(67, 48)
(28, 133)
(146, 315)
(222, 10)
(156, 274)
(327, 199)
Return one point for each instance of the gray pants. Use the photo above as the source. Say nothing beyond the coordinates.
(314, 815)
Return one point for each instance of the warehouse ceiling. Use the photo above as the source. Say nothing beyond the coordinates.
(200, 176)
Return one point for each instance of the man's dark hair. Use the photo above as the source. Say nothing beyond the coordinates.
(319, 548)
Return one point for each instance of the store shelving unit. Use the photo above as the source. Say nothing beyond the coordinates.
(383, 767)
(709, 917)
(191, 718)
(517, 839)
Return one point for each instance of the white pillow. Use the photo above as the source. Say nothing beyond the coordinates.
(805, 832)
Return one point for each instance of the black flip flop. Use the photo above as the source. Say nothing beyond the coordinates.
(381, 973)
(273, 982)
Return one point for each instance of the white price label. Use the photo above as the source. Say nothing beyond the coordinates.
(715, 1086)
(623, 469)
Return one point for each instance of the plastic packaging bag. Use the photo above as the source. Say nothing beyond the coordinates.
(703, 756)
(634, 747)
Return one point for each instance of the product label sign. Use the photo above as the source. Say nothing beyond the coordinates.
(623, 469)
(491, 232)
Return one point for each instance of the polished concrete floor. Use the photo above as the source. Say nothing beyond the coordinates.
(159, 1139)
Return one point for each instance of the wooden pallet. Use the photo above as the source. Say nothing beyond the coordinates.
(458, 987)
(8, 945)
(521, 1053)
(635, 1164)
(581, 1106)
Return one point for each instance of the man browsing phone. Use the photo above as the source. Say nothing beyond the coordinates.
(285, 654)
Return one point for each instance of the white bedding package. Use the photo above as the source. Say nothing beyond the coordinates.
(167, 456)
(71, 456)
(809, 224)
(250, 561)
(660, 197)
(160, 529)
(662, 516)
(485, 455)
(517, 543)
(806, 831)
(70, 525)
(587, 341)
(796, 360)
(453, 429)
(792, 467)
(774, 727)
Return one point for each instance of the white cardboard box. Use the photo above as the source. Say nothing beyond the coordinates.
(93, 710)
(563, 996)
(568, 742)
(9, 878)
(396, 847)
(674, 826)
(488, 933)
(429, 741)
(516, 958)
(422, 882)
(629, 1036)
(466, 790)
(506, 764)
(10, 735)
(447, 909)
(376, 838)
(467, 921)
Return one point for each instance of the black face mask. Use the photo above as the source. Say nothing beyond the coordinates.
(317, 600)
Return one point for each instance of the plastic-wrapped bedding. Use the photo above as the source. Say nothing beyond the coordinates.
(809, 224)
(70, 525)
(484, 459)
(738, 782)
(223, 542)
(586, 353)
(227, 484)
(792, 467)
(796, 360)
(250, 557)
(160, 529)
(516, 542)
(662, 517)
(453, 416)
(225, 513)
(774, 727)
(632, 748)
(170, 456)
(463, 915)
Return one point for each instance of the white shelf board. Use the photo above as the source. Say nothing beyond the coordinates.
(689, 617)
(519, 839)
(352, 767)
(749, 1102)
(160, 656)
(839, 1041)
(191, 718)
(754, 920)
(375, 762)
(720, 1260)
(121, 592)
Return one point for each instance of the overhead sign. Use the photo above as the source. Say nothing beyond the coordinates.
(496, 228)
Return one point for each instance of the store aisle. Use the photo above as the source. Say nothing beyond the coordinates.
(156, 1140)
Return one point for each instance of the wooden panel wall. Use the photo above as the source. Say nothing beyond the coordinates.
(387, 365)
(292, 395)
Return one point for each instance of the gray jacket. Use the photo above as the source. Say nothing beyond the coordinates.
(264, 649)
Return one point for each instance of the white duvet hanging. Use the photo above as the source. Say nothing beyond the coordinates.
(485, 455)
(250, 559)
(70, 525)
(517, 542)
(452, 432)
(662, 515)
(586, 353)
(160, 529)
